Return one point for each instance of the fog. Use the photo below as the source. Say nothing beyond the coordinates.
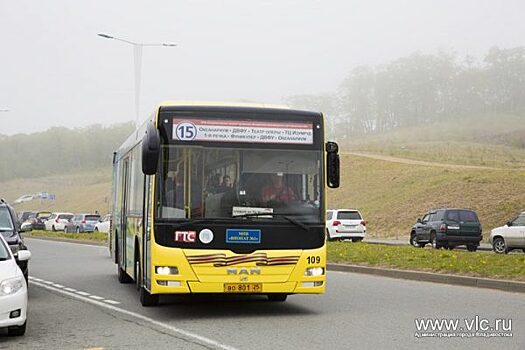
(56, 71)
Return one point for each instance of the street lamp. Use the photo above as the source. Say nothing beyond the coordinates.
(137, 60)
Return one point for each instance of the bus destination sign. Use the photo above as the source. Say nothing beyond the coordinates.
(249, 131)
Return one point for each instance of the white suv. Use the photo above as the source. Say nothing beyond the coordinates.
(58, 221)
(509, 237)
(345, 223)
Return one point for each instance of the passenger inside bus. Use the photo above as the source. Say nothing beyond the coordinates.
(226, 184)
(174, 191)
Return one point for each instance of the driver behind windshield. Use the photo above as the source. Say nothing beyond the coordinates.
(277, 190)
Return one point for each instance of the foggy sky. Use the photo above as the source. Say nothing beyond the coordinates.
(56, 71)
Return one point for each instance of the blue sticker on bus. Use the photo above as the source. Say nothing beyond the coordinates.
(243, 236)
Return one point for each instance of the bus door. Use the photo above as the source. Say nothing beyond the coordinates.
(122, 224)
(146, 236)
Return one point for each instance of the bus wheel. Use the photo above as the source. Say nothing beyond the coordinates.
(277, 297)
(148, 299)
(123, 276)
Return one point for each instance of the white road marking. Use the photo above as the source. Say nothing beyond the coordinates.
(186, 334)
(73, 290)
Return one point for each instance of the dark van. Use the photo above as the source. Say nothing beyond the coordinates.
(447, 228)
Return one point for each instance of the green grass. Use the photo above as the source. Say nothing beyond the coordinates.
(93, 236)
(487, 265)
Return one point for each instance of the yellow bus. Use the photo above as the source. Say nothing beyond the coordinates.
(223, 198)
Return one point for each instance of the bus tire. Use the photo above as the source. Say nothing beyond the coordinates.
(148, 299)
(278, 297)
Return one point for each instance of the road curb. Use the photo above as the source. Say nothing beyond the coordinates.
(67, 240)
(478, 282)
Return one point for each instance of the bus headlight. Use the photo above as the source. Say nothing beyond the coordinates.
(166, 270)
(314, 271)
(11, 286)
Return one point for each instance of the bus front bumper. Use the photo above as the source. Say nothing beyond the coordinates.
(188, 287)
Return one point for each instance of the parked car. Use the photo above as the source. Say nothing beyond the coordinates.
(345, 224)
(25, 216)
(447, 228)
(24, 198)
(38, 222)
(58, 221)
(13, 290)
(82, 223)
(10, 231)
(509, 237)
(103, 225)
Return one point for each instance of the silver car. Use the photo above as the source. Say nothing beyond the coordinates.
(509, 237)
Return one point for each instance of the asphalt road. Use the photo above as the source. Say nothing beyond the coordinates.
(76, 301)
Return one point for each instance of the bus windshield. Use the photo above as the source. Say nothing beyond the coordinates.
(227, 183)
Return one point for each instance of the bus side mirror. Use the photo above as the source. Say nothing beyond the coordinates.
(150, 150)
(332, 165)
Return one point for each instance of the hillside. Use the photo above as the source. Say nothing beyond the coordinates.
(493, 140)
(392, 195)
(77, 192)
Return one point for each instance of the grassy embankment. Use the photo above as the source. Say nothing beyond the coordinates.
(80, 192)
(91, 236)
(441, 261)
(392, 193)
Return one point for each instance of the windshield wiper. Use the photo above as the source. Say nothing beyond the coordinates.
(283, 215)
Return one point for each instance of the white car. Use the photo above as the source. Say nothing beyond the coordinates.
(58, 221)
(345, 224)
(509, 237)
(103, 225)
(13, 291)
(24, 198)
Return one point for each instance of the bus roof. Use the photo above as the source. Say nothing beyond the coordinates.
(220, 104)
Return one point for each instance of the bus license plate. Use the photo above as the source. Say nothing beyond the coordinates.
(242, 287)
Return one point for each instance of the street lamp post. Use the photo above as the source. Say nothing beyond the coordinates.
(137, 60)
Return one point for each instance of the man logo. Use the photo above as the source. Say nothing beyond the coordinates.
(243, 271)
